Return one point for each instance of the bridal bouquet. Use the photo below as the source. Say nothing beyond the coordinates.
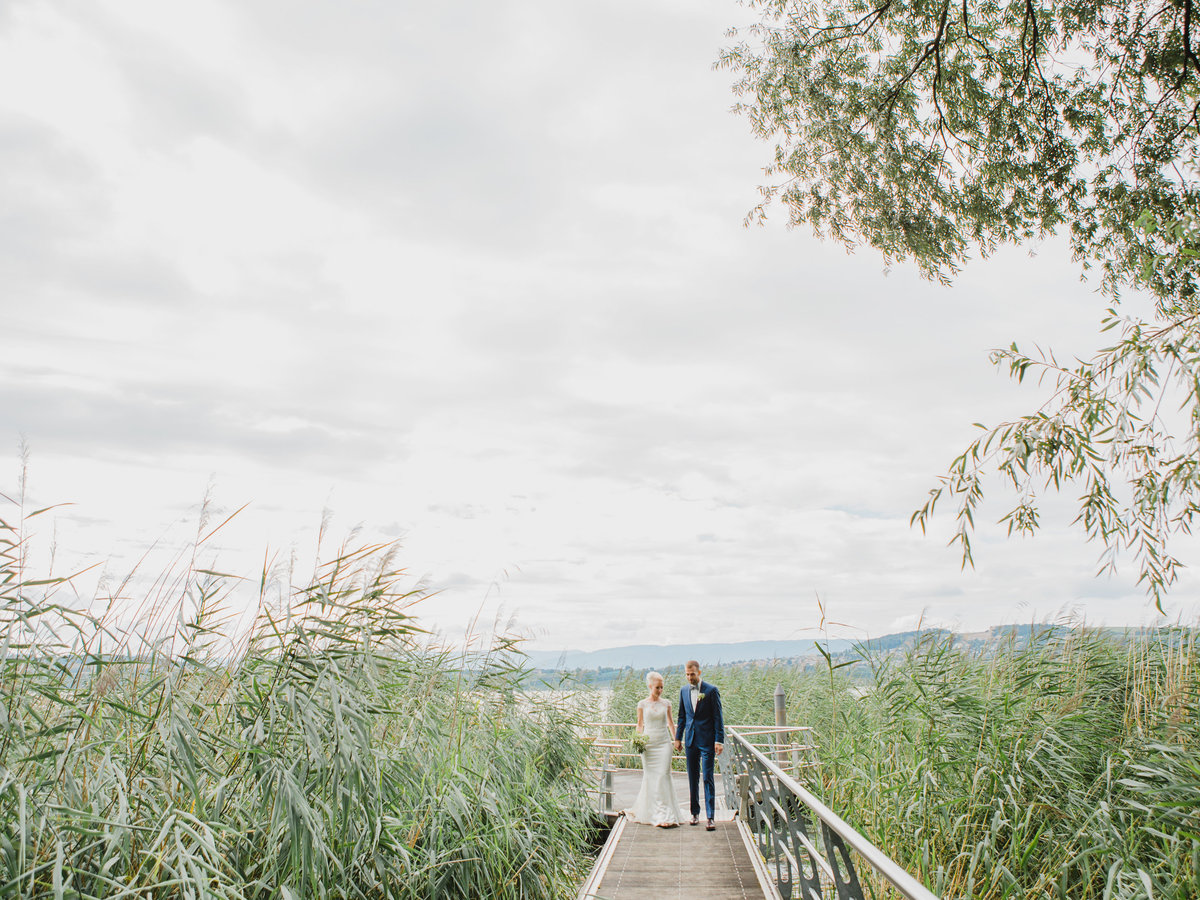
(638, 741)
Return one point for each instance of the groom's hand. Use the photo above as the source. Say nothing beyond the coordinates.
(719, 748)
(678, 746)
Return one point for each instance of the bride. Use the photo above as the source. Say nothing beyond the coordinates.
(656, 803)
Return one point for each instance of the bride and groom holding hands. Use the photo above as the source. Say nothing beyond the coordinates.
(699, 731)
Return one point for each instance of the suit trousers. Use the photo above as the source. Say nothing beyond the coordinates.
(700, 760)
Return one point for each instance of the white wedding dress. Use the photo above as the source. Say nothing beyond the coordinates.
(656, 803)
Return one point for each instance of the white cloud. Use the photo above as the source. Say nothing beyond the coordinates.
(477, 278)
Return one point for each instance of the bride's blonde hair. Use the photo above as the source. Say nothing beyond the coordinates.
(650, 676)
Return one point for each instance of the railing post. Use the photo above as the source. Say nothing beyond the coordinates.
(781, 737)
(604, 798)
(743, 790)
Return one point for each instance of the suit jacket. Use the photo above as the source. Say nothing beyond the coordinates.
(705, 726)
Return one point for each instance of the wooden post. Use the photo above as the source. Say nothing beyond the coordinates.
(781, 737)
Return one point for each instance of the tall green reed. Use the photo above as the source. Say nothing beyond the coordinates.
(1065, 765)
(328, 749)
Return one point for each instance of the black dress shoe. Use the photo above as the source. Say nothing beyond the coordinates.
(710, 826)
(695, 820)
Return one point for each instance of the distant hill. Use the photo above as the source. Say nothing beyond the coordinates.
(663, 656)
(657, 656)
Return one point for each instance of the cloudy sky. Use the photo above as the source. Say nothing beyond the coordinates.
(473, 277)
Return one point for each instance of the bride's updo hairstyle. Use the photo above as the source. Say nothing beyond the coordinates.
(650, 676)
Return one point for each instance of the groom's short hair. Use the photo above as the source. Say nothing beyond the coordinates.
(691, 664)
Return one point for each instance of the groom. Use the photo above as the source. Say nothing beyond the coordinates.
(701, 728)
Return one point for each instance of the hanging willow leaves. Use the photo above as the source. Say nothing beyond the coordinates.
(933, 131)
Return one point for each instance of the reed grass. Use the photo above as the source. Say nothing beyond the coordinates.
(327, 749)
(1066, 765)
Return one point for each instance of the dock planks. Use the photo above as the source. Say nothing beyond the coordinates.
(641, 862)
(683, 863)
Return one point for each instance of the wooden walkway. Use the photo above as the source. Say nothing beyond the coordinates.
(641, 862)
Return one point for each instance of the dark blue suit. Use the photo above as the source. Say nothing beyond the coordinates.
(699, 731)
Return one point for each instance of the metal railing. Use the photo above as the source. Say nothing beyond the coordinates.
(603, 751)
(805, 843)
(791, 747)
(609, 752)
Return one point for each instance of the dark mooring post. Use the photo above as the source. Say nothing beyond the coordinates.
(781, 736)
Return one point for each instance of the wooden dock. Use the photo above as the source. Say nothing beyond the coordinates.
(642, 862)
(783, 839)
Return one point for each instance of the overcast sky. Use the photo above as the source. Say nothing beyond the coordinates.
(473, 276)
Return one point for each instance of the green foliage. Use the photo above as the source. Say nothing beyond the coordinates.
(1113, 430)
(333, 755)
(630, 687)
(931, 129)
(1065, 766)
(927, 128)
